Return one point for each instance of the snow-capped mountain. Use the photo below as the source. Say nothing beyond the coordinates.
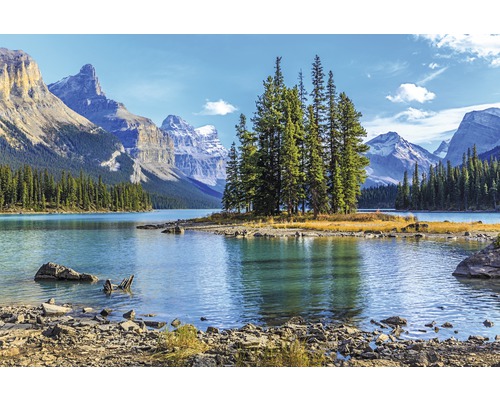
(37, 127)
(152, 150)
(390, 155)
(480, 128)
(198, 151)
(442, 150)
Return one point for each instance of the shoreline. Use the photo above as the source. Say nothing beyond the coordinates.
(30, 338)
(269, 231)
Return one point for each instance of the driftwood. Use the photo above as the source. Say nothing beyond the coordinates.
(125, 285)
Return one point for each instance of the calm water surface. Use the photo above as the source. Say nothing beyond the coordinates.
(234, 281)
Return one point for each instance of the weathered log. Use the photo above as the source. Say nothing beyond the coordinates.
(124, 285)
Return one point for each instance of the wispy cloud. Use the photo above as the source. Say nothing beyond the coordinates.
(477, 46)
(420, 126)
(432, 76)
(408, 92)
(220, 107)
(389, 68)
(434, 65)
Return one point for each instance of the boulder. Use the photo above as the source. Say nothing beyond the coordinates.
(53, 271)
(52, 309)
(395, 321)
(129, 314)
(176, 230)
(484, 264)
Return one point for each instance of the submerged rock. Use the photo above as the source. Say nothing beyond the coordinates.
(53, 271)
(484, 264)
(395, 321)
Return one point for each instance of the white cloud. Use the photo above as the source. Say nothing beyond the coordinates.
(410, 92)
(432, 76)
(420, 126)
(474, 46)
(220, 107)
(413, 114)
(433, 65)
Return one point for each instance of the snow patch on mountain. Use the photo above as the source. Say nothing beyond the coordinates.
(198, 151)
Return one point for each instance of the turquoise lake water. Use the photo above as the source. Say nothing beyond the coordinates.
(233, 281)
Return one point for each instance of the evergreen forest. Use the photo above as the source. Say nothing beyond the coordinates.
(29, 189)
(303, 153)
(471, 186)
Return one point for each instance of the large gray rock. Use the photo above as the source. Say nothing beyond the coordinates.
(52, 309)
(53, 271)
(484, 264)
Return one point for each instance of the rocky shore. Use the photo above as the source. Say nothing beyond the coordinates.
(244, 231)
(31, 337)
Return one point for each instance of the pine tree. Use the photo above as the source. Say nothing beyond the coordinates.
(231, 198)
(290, 165)
(318, 95)
(315, 177)
(247, 163)
(335, 185)
(353, 162)
(268, 125)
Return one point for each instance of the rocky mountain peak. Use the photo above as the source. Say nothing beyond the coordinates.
(442, 150)
(390, 155)
(84, 85)
(20, 76)
(480, 128)
(176, 123)
(198, 151)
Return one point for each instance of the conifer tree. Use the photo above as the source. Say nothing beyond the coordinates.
(353, 162)
(318, 95)
(333, 158)
(315, 176)
(290, 165)
(247, 163)
(231, 198)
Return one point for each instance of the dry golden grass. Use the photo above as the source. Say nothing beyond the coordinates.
(293, 354)
(358, 222)
(177, 346)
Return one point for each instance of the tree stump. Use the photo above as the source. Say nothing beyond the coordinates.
(125, 285)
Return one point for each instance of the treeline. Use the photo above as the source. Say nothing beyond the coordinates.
(378, 197)
(31, 189)
(471, 186)
(299, 156)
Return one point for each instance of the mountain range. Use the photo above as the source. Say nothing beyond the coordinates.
(390, 155)
(71, 124)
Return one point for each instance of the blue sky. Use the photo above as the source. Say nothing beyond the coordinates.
(418, 86)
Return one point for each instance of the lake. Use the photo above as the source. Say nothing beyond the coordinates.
(234, 281)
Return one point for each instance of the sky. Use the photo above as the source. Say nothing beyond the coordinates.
(417, 85)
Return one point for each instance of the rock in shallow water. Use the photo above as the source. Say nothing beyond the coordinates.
(53, 271)
(484, 264)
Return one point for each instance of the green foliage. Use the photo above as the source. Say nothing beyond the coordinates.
(28, 189)
(293, 354)
(177, 346)
(293, 160)
(232, 197)
(469, 187)
(378, 197)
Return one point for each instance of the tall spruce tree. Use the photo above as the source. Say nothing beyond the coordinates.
(315, 176)
(318, 95)
(247, 163)
(300, 140)
(269, 126)
(352, 148)
(232, 198)
(290, 167)
(333, 158)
